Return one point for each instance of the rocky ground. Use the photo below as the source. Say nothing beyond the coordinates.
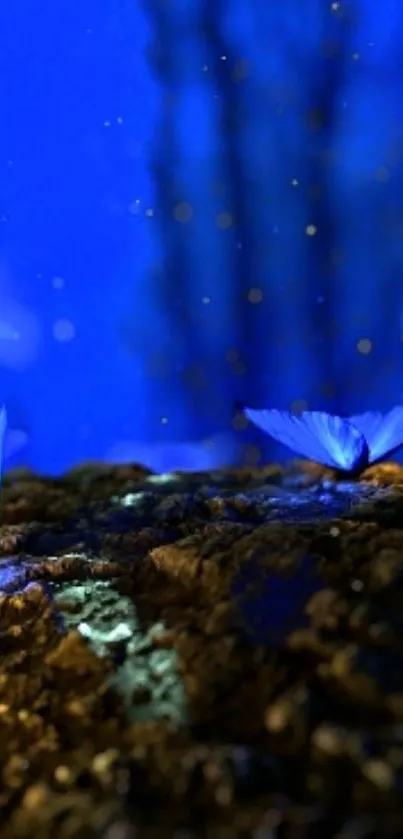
(202, 655)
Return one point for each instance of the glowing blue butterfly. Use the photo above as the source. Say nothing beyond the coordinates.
(347, 444)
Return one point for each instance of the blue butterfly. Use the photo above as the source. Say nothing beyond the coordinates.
(347, 444)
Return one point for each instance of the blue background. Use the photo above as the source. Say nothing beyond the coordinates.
(201, 203)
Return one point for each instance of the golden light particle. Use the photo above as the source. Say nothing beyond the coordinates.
(183, 212)
(232, 355)
(252, 455)
(239, 368)
(298, 405)
(239, 422)
(382, 174)
(364, 346)
(328, 390)
(255, 295)
(240, 71)
(62, 774)
(311, 230)
(224, 220)
(379, 773)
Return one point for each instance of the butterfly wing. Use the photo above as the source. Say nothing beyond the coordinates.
(321, 437)
(383, 432)
(368, 423)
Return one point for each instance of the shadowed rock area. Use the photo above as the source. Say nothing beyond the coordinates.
(202, 655)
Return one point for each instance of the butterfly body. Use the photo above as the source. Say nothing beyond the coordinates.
(346, 444)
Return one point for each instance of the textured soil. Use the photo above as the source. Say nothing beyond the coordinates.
(202, 655)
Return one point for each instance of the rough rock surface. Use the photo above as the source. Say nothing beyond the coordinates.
(202, 655)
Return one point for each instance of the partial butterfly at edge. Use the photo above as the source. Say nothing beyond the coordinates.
(348, 444)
